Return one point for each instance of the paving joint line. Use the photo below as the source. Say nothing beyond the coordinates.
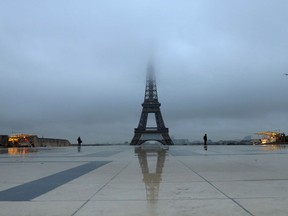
(113, 177)
(233, 200)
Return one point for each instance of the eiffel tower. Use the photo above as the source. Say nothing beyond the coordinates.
(151, 105)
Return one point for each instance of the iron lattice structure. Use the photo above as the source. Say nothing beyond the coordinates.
(151, 105)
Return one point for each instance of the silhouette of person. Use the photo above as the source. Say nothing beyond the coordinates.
(205, 141)
(79, 143)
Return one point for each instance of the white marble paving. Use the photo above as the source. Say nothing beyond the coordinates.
(225, 180)
(266, 206)
(163, 207)
(255, 189)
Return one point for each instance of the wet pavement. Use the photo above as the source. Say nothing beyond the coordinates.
(146, 181)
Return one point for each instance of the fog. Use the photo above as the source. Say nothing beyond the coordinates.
(78, 68)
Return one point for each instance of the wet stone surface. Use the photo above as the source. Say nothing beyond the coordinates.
(146, 181)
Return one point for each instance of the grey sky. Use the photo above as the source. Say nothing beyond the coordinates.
(70, 68)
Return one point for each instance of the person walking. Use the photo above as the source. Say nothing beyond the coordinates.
(79, 143)
(205, 142)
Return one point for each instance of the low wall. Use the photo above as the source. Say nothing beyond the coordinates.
(4, 140)
(43, 142)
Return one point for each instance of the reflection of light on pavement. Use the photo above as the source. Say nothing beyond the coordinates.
(17, 151)
(272, 147)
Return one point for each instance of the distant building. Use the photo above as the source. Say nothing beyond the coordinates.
(28, 140)
(180, 141)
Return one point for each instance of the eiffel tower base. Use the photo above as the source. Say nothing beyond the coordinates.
(142, 135)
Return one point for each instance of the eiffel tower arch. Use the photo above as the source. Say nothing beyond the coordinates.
(151, 105)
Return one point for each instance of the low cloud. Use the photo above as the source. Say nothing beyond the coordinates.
(79, 68)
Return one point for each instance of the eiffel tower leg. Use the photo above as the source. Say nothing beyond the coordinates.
(136, 139)
(167, 139)
(159, 119)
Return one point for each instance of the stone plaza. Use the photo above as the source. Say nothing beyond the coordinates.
(150, 180)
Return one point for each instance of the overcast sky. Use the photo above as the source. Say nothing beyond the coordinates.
(78, 68)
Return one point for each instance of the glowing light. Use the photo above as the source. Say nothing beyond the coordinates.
(20, 139)
(271, 137)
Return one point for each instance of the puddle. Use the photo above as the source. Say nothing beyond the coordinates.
(271, 147)
(17, 151)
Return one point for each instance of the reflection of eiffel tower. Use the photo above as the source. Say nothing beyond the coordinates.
(151, 105)
(151, 180)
